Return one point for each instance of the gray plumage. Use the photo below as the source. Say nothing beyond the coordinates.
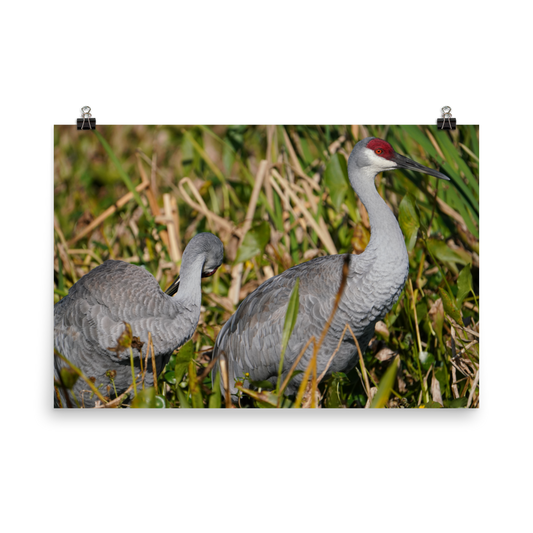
(91, 318)
(251, 339)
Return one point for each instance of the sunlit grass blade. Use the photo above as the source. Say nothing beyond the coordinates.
(409, 220)
(385, 385)
(464, 284)
(448, 151)
(183, 399)
(267, 398)
(291, 316)
(450, 307)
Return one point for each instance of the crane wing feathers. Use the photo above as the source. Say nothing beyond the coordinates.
(252, 336)
(91, 319)
(111, 294)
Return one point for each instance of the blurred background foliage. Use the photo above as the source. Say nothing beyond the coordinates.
(278, 196)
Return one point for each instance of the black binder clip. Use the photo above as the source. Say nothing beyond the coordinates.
(86, 122)
(446, 122)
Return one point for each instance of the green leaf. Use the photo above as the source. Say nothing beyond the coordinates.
(264, 385)
(440, 374)
(69, 377)
(254, 242)
(426, 360)
(336, 179)
(450, 307)
(160, 402)
(183, 399)
(464, 284)
(290, 321)
(183, 358)
(451, 155)
(458, 403)
(458, 202)
(409, 220)
(421, 311)
(145, 399)
(335, 396)
(170, 377)
(443, 253)
(194, 387)
(385, 386)
(432, 405)
(338, 184)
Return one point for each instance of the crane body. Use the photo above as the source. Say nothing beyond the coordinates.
(89, 321)
(250, 341)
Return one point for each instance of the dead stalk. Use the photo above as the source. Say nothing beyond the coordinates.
(172, 231)
(332, 355)
(324, 236)
(361, 363)
(293, 366)
(154, 366)
(176, 220)
(344, 279)
(472, 390)
(225, 379)
(212, 219)
(236, 271)
(149, 192)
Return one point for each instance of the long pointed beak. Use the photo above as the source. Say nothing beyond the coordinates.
(405, 162)
(173, 289)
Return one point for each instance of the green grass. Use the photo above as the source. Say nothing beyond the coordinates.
(303, 208)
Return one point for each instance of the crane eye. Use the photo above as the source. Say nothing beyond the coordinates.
(379, 151)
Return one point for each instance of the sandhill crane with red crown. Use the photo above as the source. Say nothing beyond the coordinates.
(250, 342)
